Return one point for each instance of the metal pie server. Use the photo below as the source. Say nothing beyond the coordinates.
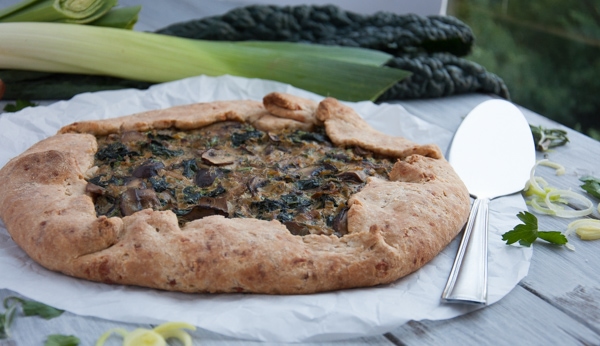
(493, 153)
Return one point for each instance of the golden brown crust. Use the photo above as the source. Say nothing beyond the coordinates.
(292, 107)
(346, 128)
(395, 226)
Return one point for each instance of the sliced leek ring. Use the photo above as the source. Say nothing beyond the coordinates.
(560, 169)
(547, 200)
(562, 212)
(151, 337)
(586, 229)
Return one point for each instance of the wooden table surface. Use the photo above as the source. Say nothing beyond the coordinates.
(557, 303)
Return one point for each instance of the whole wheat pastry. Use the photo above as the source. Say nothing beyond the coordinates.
(287, 196)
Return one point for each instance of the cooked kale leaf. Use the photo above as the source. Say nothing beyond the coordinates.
(114, 152)
(239, 138)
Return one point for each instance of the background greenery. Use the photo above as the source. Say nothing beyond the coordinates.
(547, 52)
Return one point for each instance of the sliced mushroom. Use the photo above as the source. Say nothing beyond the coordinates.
(205, 177)
(308, 171)
(296, 228)
(268, 149)
(322, 170)
(340, 222)
(354, 176)
(129, 202)
(218, 157)
(273, 137)
(135, 183)
(133, 200)
(207, 206)
(361, 151)
(340, 157)
(133, 136)
(254, 184)
(94, 189)
(148, 198)
(148, 169)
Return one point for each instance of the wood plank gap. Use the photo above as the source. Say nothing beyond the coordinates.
(393, 339)
(567, 312)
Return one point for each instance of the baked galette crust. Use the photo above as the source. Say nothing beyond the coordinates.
(395, 225)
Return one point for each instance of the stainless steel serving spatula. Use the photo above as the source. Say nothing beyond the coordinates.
(493, 153)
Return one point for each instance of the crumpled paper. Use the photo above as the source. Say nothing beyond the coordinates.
(318, 317)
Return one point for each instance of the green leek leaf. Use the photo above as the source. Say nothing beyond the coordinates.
(64, 11)
(350, 74)
(349, 54)
(123, 17)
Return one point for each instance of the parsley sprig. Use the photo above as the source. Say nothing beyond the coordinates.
(30, 308)
(591, 185)
(527, 232)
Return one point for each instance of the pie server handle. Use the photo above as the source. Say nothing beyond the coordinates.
(467, 282)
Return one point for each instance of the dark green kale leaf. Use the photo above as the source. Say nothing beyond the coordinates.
(268, 205)
(295, 201)
(190, 167)
(19, 104)
(307, 184)
(331, 25)
(159, 184)
(441, 74)
(300, 136)
(160, 149)
(114, 152)
(191, 194)
(239, 138)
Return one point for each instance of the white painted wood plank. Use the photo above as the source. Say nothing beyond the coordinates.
(519, 319)
(565, 279)
(34, 330)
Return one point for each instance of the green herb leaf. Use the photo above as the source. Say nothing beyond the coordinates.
(6, 320)
(527, 232)
(32, 308)
(591, 185)
(554, 237)
(62, 340)
(20, 104)
(548, 138)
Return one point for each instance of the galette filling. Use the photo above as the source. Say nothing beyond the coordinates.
(232, 169)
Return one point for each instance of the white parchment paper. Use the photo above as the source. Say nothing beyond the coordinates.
(318, 317)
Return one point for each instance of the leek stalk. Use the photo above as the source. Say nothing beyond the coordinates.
(122, 17)
(350, 74)
(64, 11)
